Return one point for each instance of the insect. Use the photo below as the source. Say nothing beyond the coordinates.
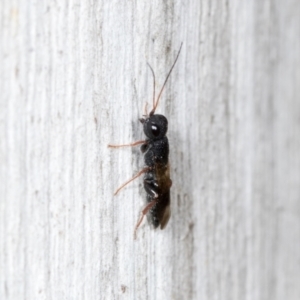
(155, 147)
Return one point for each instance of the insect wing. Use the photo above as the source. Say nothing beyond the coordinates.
(165, 218)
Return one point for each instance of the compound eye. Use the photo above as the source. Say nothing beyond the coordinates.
(155, 130)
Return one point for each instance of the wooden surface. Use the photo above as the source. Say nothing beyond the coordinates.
(74, 78)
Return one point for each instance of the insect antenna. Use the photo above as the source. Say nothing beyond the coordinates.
(153, 75)
(156, 103)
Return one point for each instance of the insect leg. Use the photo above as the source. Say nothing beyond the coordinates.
(127, 145)
(134, 177)
(144, 212)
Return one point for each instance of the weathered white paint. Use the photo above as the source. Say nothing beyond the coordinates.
(74, 78)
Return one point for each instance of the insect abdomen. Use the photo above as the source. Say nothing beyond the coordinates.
(157, 181)
(160, 213)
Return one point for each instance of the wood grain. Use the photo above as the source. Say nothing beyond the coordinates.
(74, 78)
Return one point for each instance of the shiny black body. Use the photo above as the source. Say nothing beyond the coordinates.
(157, 181)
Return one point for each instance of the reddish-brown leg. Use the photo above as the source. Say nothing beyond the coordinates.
(134, 177)
(144, 212)
(127, 145)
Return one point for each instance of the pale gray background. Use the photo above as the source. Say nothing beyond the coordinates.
(74, 78)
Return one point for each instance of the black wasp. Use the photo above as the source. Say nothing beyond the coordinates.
(155, 148)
